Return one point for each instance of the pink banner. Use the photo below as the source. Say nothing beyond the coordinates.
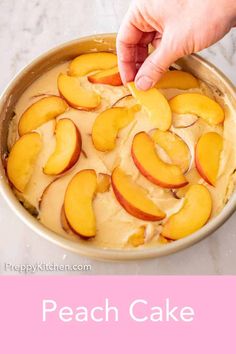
(117, 315)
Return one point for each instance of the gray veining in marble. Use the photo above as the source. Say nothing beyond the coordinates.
(28, 28)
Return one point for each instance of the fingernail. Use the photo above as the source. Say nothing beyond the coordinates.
(144, 83)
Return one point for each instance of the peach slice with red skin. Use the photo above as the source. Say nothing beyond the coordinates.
(53, 199)
(51, 203)
(199, 105)
(87, 63)
(78, 203)
(174, 146)
(155, 104)
(67, 150)
(77, 96)
(41, 112)
(64, 222)
(22, 158)
(152, 167)
(193, 215)
(207, 156)
(107, 77)
(108, 124)
(103, 185)
(133, 198)
(177, 79)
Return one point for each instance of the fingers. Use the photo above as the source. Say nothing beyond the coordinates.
(132, 46)
(132, 50)
(155, 66)
(142, 48)
(132, 55)
(127, 41)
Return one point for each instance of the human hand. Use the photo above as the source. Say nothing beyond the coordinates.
(175, 28)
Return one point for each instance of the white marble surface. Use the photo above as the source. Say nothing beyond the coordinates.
(28, 28)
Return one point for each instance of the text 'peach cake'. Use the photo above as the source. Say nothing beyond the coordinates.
(117, 167)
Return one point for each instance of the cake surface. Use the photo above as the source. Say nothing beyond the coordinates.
(181, 137)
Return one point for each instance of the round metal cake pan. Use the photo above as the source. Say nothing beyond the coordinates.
(104, 42)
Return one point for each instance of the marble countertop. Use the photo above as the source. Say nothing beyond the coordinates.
(28, 28)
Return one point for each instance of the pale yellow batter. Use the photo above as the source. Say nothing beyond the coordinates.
(114, 224)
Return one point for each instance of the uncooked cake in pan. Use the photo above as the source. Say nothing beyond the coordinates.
(117, 167)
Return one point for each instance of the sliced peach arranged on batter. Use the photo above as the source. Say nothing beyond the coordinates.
(177, 79)
(174, 146)
(78, 203)
(107, 77)
(87, 63)
(207, 156)
(67, 150)
(152, 167)
(64, 222)
(22, 159)
(156, 105)
(41, 112)
(134, 198)
(51, 203)
(108, 124)
(77, 96)
(193, 215)
(200, 105)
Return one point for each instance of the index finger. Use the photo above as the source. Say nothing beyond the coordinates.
(127, 42)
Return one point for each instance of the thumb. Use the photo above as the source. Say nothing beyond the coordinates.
(155, 66)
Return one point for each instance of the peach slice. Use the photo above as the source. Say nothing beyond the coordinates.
(64, 222)
(193, 215)
(67, 150)
(22, 158)
(51, 203)
(152, 167)
(133, 198)
(207, 156)
(108, 124)
(78, 203)
(156, 105)
(41, 112)
(104, 182)
(137, 238)
(86, 63)
(103, 186)
(174, 146)
(77, 97)
(107, 77)
(177, 79)
(200, 105)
